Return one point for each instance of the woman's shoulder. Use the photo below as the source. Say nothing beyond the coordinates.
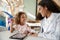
(56, 13)
(58, 19)
(57, 16)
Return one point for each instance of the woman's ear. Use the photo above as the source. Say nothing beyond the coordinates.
(45, 7)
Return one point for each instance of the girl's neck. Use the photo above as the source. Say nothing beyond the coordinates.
(21, 24)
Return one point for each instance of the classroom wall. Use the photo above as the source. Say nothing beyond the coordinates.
(58, 2)
(30, 8)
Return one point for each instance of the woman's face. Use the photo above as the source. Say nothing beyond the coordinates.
(42, 10)
(23, 18)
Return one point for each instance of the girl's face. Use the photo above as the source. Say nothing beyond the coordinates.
(23, 18)
(42, 10)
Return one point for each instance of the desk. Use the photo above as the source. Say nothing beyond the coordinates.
(6, 34)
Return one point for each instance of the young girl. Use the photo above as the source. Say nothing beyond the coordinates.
(21, 26)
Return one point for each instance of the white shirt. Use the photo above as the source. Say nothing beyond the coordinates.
(51, 27)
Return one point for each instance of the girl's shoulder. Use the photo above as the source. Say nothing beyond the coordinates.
(15, 25)
(26, 25)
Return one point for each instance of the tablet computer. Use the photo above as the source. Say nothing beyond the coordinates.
(18, 36)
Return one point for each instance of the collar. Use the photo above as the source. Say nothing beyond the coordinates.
(51, 18)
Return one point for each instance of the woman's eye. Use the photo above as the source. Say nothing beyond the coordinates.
(39, 8)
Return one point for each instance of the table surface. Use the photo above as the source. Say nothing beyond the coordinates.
(6, 34)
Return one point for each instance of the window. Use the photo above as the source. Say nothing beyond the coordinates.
(2, 21)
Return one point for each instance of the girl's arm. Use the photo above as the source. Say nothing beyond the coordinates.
(30, 30)
(11, 27)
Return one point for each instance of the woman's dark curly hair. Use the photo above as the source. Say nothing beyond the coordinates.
(18, 16)
(51, 5)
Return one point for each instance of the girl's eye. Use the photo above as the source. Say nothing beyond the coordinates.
(23, 17)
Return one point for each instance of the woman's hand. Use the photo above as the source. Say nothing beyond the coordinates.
(33, 34)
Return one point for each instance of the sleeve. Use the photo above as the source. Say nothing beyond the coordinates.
(53, 34)
(30, 30)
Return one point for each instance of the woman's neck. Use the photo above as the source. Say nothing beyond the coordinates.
(48, 14)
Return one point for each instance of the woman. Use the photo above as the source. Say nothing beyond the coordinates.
(51, 22)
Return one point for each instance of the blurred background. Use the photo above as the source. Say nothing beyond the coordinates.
(8, 9)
